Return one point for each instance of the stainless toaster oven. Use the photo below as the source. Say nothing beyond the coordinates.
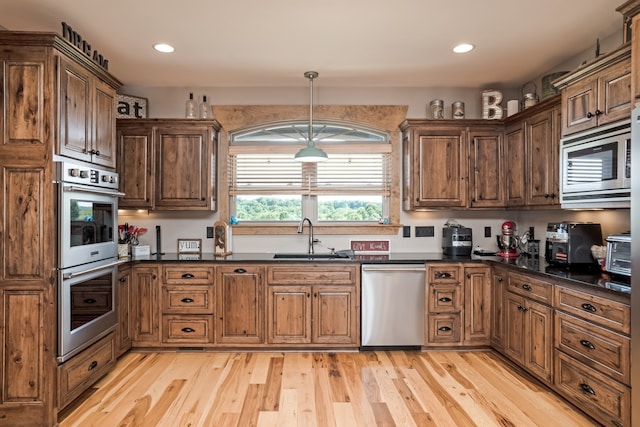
(619, 254)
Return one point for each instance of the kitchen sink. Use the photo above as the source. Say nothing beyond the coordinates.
(301, 255)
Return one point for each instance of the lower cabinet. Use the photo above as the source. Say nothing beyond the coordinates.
(317, 304)
(79, 373)
(529, 335)
(123, 330)
(458, 305)
(145, 306)
(239, 304)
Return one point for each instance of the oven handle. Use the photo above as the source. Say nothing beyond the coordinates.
(112, 193)
(91, 270)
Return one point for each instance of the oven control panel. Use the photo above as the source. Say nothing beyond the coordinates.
(74, 173)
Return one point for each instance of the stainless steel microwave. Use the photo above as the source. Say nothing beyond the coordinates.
(595, 167)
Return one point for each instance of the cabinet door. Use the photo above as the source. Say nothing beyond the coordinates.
(103, 146)
(516, 165)
(579, 103)
(614, 93)
(514, 327)
(538, 333)
(497, 311)
(239, 305)
(335, 315)
(440, 168)
(542, 147)
(123, 331)
(135, 166)
(75, 111)
(477, 304)
(289, 315)
(146, 310)
(486, 169)
(183, 163)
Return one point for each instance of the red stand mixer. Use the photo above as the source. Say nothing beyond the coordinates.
(508, 241)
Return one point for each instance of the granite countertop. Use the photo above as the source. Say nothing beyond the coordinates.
(584, 276)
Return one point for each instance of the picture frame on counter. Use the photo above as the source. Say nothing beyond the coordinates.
(131, 107)
(189, 246)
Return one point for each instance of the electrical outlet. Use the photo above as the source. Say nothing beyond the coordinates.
(427, 231)
(406, 231)
(487, 232)
(209, 232)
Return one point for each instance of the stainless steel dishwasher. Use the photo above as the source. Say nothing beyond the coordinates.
(393, 305)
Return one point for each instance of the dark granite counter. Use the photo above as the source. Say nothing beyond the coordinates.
(591, 277)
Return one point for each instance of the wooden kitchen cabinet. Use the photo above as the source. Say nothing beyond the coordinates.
(592, 353)
(188, 304)
(531, 161)
(458, 305)
(597, 93)
(498, 282)
(145, 286)
(168, 164)
(239, 304)
(528, 330)
(34, 105)
(125, 305)
(87, 115)
(452, 164)
(313, 305)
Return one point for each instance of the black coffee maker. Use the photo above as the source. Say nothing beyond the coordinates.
(569, 243)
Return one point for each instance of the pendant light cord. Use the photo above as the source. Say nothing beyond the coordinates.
(310, 75)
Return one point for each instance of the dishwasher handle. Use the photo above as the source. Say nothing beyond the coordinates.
(401, 267)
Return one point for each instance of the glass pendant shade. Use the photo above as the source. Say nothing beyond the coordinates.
(311, 153)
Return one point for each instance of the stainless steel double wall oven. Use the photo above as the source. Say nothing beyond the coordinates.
(87, 255)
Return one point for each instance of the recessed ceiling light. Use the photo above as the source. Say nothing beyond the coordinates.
(463, 48)
(163, 47)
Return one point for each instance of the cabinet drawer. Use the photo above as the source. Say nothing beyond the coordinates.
(597, 347)
(79, 373)
(444, 273)
(599, 396)
(605, 312)
(313, 274)
(445, 298)
(444, 329)
(189, 274)
(188, 299)
(187, 329)
(530, 287)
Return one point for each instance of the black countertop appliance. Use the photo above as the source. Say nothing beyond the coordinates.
(569, 243)
(456, 240)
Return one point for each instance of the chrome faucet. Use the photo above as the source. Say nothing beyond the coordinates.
(311, 239)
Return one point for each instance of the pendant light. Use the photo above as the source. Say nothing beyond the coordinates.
(311, 153)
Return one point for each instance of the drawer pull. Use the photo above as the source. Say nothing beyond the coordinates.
(443, 275)
(92, 365)
(89, 301)
(588, 307)
(123, 279)
(444, 299)
(239, 270)
(527, 287)
(444, 328)
(188, 330)
(187, 300)
(587, 389)
(588, 344)
(188, 276)
(521, 308)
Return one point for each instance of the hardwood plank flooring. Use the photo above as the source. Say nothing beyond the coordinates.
(381, 388)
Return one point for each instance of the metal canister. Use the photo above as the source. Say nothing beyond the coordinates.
(437, 108)
(457, 110)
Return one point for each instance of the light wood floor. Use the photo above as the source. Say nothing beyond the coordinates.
(394, 388)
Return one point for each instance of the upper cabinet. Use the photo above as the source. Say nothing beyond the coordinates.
(87, 115)
(445, 164)
(167, 164)
(598, 93)
(531, 155)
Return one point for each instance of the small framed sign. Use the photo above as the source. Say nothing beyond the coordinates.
(189, 246)
(131, 107)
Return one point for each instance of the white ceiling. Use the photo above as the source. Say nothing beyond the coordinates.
(351, 43)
